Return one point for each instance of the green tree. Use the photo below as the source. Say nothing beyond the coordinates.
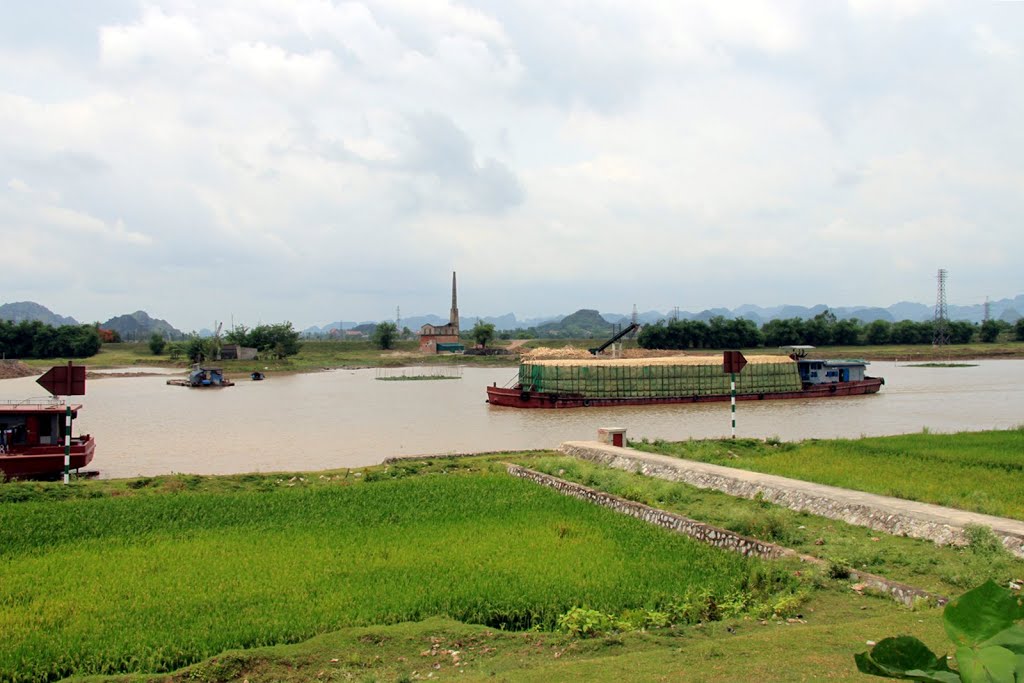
(877, 332)
(846, 332)
(482, 333)
(196, 349)
(783, 332)
(961, 331)
(384, 335)
(990, 330)
(1018, 330)
(157, 343)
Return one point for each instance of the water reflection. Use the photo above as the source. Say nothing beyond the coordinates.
(346, 418)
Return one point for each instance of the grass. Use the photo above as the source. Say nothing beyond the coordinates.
(414, 378)
(943, 570)
(943, 365)
(153, 574)
(977, 471)
(817, 646)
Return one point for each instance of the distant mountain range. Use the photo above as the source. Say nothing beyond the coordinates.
(583, 323)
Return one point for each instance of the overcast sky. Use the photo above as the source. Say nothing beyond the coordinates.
(313, 160)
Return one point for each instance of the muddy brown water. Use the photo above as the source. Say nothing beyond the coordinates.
(346, 418)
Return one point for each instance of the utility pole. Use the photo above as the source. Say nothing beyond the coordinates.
(941, 337)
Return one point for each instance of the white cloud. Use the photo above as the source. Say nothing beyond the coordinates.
(338, 155)
(156, 37)
(988, 42)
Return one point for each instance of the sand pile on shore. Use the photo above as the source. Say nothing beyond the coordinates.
(9, 369)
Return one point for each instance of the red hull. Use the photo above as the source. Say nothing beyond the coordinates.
(517, 398)
(40, 461)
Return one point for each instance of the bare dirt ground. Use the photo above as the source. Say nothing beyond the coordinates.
(9, 369)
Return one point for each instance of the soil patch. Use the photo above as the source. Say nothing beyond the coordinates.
(9, 369)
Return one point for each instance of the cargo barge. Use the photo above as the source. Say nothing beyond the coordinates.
(580, 383)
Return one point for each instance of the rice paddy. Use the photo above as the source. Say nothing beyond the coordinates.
(152, 582)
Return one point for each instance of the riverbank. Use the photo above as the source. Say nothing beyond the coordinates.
(264, 560)
(316, 356)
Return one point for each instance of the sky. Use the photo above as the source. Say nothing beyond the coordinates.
(317, 160)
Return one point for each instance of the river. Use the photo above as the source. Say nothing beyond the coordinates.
(346, 418)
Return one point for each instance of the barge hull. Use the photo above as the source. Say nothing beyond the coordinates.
(517, 398)
(43, 461)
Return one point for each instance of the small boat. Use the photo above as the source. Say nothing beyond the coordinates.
(203, 378)
(32, 436)
(257, 376)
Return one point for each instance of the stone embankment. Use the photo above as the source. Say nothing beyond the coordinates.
(712, 535)
(896, 516)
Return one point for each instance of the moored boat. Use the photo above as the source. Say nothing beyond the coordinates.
(202, 378)
(32, 439)
(578, 383)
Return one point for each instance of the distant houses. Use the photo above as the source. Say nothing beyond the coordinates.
(236, 352)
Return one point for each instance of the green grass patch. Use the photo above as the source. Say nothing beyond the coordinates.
(819, 645)
(976, 471)
(942, 365)
(414, 378)
(156, 576)
(944, 570)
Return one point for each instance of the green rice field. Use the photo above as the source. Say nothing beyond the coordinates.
(154, 581)
(976, 471)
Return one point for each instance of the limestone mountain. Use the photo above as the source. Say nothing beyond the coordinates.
(584, 323)
(30, 310)
(138, 326)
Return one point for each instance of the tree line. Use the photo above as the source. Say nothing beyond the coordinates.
(35, 339)
(823, 329)
(278, 341)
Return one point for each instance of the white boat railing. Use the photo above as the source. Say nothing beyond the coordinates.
(40, 401)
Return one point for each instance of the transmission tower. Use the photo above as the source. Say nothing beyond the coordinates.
(941, 317)
(988, 311)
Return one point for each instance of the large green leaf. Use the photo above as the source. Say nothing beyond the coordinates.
(905, 657)
(1011, 638)
(987, 665)
(980, 614)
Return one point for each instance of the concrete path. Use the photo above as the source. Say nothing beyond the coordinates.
(893, 515)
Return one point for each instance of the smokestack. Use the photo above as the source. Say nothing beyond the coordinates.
(453, 318)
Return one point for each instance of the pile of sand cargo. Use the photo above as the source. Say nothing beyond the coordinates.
(570, 352)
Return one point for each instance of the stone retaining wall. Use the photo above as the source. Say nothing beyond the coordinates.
(712, 535)
(823, 506)
(720, 538)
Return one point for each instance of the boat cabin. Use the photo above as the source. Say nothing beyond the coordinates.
(813, 371)
(831, 371)
(204, 377)
(28, 425)
(32, 439)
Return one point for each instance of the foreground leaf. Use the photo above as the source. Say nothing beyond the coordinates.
(980, 614)
(905, 657)
(986, 665)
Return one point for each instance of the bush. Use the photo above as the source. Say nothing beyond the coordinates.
(157, 343)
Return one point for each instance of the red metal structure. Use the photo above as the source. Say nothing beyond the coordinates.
(32, 440)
